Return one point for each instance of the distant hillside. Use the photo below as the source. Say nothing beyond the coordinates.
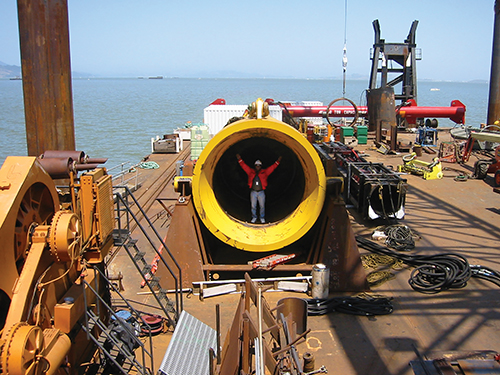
(7, 71)
(10, 71)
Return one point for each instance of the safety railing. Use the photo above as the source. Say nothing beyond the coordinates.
(125, 216)
(118, 343)
(127, 173)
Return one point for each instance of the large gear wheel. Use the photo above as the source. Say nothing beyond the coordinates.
(21, 351)
(37, 206)
(65, 237)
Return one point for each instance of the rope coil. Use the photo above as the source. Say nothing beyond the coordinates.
(149, 165)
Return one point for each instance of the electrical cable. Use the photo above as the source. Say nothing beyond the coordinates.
(400, 237)
(461, 175)
(287, 118)
(485, 273)
(364, 305)
(435, 273)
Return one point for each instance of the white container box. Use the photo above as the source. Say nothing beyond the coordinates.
(217, 116)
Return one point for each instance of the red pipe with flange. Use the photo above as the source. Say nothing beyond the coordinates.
(411, 112)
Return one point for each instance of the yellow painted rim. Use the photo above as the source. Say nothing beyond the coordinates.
(253, 237)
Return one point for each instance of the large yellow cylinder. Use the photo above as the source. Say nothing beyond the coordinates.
(294, 197)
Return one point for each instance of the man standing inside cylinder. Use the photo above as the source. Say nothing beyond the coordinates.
(257, 182)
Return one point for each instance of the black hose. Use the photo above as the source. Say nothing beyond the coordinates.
(433, 273)
(485, 273)
(368, 306)
(400, 237)
(288, 118)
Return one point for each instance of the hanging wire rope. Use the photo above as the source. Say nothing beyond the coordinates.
(344, 56)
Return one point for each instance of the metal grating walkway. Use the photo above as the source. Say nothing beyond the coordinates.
(188, 351)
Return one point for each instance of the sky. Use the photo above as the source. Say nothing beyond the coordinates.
(289, 39)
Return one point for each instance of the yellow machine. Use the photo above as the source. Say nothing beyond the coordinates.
(429, 171)
(45, 252)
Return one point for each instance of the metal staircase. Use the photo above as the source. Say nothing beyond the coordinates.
(122, 238)
(118, 338)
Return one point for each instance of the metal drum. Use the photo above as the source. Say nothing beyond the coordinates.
(320, 281)
(297, 307)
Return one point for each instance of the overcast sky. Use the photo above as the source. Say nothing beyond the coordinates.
(301, 39)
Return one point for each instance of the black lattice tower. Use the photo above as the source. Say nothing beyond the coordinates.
(395, 63)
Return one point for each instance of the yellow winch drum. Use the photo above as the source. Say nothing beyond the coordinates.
(295, 192)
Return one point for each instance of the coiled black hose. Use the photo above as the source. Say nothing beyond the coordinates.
(365, 306)
(400, 237)
(433, 273)
(436, 273)
(485, 273)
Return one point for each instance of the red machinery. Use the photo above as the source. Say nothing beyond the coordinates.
(455, 152)
(320, 111)
(411, 112)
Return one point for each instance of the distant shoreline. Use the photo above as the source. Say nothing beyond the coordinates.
(243, 78)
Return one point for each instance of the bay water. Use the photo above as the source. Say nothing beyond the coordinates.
(117, 117)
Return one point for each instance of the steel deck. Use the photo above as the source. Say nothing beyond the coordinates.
(451, 216)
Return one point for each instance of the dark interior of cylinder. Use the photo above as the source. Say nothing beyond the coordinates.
(286, 184)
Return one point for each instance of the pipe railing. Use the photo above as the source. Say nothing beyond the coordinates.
(93, 319)
(131, 217)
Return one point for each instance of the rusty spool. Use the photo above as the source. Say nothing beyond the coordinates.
(57, 168)
(309, 362)
(152, 324)
(78, 156)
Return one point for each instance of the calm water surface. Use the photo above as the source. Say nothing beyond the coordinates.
(116, 118)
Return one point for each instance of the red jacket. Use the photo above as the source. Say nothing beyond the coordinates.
(263, 173)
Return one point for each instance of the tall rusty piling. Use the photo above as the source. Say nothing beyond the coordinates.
(46, 71)
(494, 97)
